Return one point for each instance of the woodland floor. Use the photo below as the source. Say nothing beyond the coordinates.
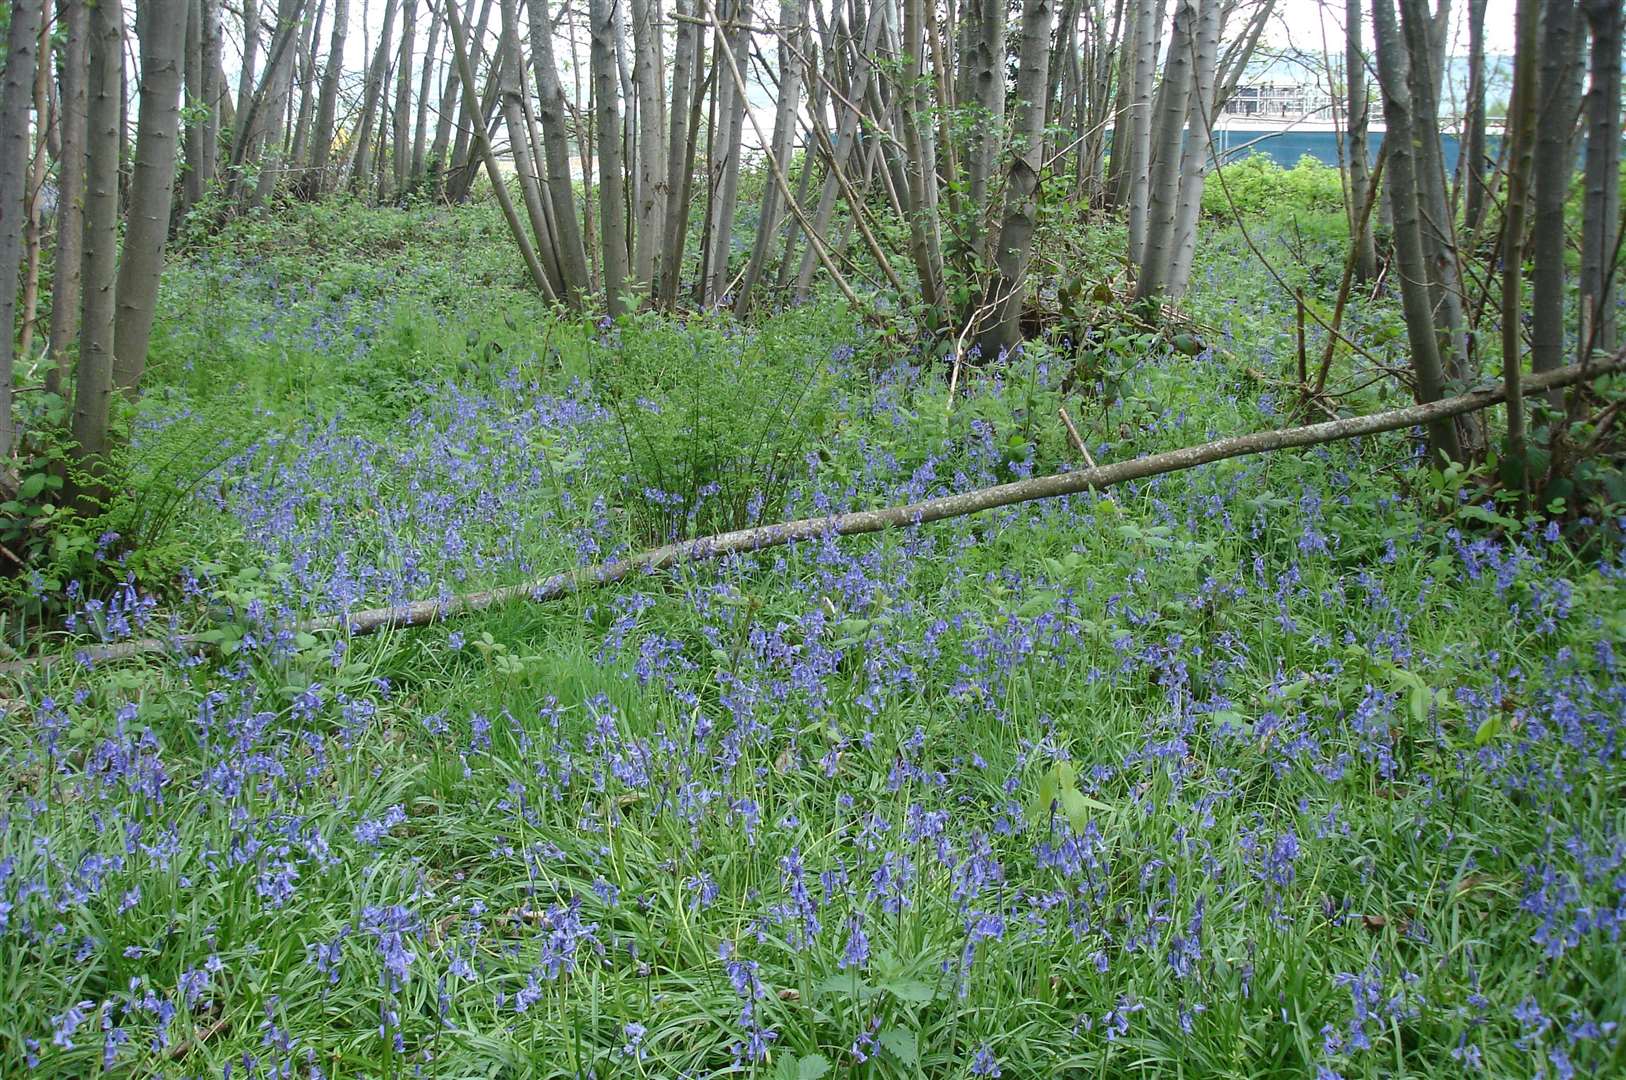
(1307, 764)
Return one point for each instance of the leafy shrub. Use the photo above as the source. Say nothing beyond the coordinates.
(1258, 187)
(712, 419)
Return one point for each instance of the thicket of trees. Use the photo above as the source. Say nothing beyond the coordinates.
(913, 148)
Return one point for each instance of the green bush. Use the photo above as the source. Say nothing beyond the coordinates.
(712, 419)
(1256, 186)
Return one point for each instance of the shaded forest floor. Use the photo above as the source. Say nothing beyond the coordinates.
(1309, 764)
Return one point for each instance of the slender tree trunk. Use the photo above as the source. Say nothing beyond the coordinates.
(309, 91)
(513, 93)
(328, 104)
(196, 100)
(45, 133)
(784, 135)
(73, 17)
(1148, 36)
(1194, 156)
(1521, 132)
(987, 81)
(247, 73)
(1411, 264)
(426, 88)
(1117, 188)
(914, 104)
(1474, 158)
(92, 400)
(725, 163)
(1559, 102)
(1360, 172)
(276, 96)
(214, 96)
(1164, 178)
(449, 104)
(482, 147)
(612, 200)
(686, 74)
(162, 31)
(1600, 224)
(1015, 246)
(401, 117)
(553, 114)
(371, 93)
(16, 95)
(651, 158)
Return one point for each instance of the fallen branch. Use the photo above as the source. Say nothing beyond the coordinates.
(425, 612)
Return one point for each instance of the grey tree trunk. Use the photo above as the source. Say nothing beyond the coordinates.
(1474, 159)
(1521, 133)
(73, 16)
(152, 184)
(651, 157)
(1600, 217)
(553, 115)
(914, 103)
(401, 118)
(276, 96)
(1560, 89)
(612, 197)
(420, 128)
(328, 103)
(370, 95)
(246, 74)
(1015, 246)
(214, 95)
(1416, 301)
(1425, 42)
(686, 95)
(309, 88)
(1117, 186)
(16, 97)
(192, 137)
(725, 158)
(784, 134)
(1360, 172)
(845, 142)
(1148, 36)
(1194, 155)
(987, 84)
(513, 107)
(1163, 180)
(93, 393)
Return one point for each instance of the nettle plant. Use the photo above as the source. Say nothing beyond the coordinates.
(712, 421)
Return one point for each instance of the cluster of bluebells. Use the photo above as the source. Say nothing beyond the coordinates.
(815, 817)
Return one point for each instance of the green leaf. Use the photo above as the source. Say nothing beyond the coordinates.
(1419, 698)
(910, 990)
(902, 1045)
(1038, 604)
(812, 1067)
(32, 485)
(1488, 729)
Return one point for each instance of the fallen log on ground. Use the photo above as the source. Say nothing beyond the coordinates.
(425, 612)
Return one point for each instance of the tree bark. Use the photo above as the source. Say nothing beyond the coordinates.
(1600, 218)
(612, 197)
(784, 134)
(1360, 172)
(420, 127)
(919, 140)
(987, 84)
(92, 400)
(1194, 155)
(401, 116)
(553, 114)
(74, 18)
(651, 146)
(274, 103)
(1559, 102)
(327, 106)
(724, 160)
(162, 31)
(1015, 245)
(373, 90)
(1521, 132)
(684, 115)
(1163, 182)
(1148, 36)
(1473, 159)
(513, 107)
(1416, 301)
(16, 96)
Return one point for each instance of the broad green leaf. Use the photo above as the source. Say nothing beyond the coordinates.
(812, 1067)
(902, 1045)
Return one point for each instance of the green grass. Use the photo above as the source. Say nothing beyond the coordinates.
(1288, 763)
